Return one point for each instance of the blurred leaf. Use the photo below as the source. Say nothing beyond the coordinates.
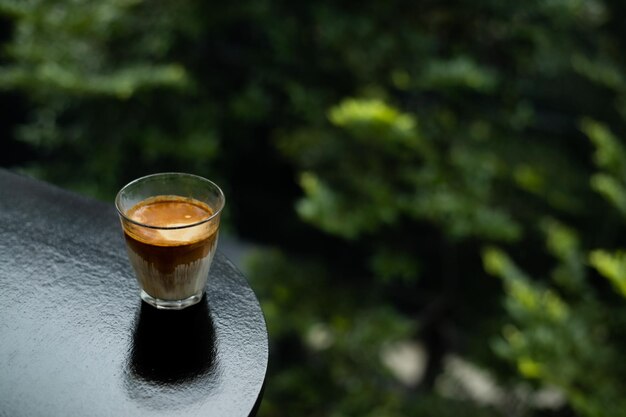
(611, 266)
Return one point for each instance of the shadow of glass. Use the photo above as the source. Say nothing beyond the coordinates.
(173, 356)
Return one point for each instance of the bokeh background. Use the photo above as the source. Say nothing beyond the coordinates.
(431, 194)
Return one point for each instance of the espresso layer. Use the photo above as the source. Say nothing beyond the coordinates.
(165, 259)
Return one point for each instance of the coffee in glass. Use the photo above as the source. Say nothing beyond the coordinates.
(171, 223)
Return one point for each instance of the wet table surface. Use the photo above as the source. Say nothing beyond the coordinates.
(76, 340)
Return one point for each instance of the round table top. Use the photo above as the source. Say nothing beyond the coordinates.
(76, 340)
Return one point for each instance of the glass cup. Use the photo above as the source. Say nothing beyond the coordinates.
(171, 224)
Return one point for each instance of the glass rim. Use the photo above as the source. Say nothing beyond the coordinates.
(182, 174)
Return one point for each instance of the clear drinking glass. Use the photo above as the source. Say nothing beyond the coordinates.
(171, 224)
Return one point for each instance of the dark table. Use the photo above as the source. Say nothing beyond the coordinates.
(75, 339)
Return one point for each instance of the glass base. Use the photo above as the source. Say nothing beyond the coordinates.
(171, 304)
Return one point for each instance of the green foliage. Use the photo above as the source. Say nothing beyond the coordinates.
(572, 341)
(611, 157)
(611, 266)
(52, 42)
(90, 69)
(400, 175)
(566, 344)
(563, 243)
(345, 334)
